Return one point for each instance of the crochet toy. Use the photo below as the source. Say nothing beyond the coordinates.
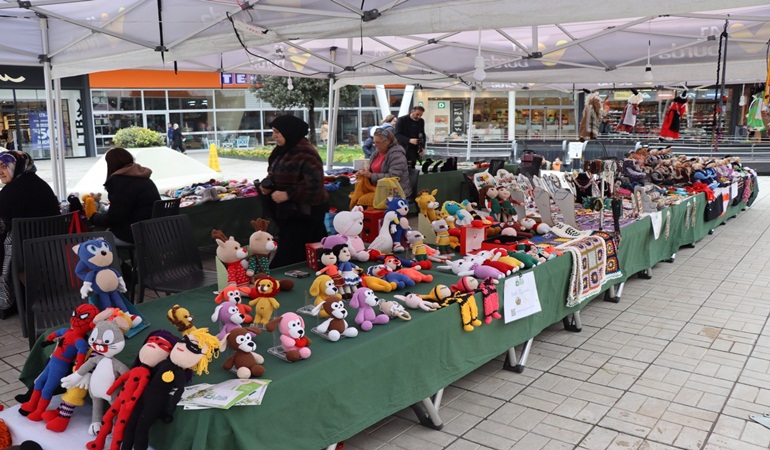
(465, 284)
(94, 269)
(350, 224)
(245, 362)
(329, 260)
(469, 311)
(508, 212)
(238, 296)
(155, 349)
(393, 309)
(230, 318)
(440, 294)
(378, 284)
(263, 294)
(488, 195)
(415, 301)
(181, 319)
(429, 207)
(399, 266)
(365, 300)
(491, 259)
(349, 271)
(98, 373)
(453, 208)
(441, 228)
(195, 351)
(465, 267)
(233, 256)
(531, 224)
(335, 326)
(387, 272)
(491, 301)
(383, 243)
(401, 207)
(261, 245)
(89, 205)
(416, 242)
(71, 346)
(322, 288)
(294, 340)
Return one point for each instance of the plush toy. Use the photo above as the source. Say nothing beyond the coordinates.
(195, 351)
(181, 319)
(400, 223)
(335, 326)
(531, 224)
(71, 346)
(465, 267)
(393, 309)
(155, 349)
(89, 205)
(350, 224)
(378, 284)
(322, 288)
(94, 269)
(365, 300)
(99, 372)
(294, 340)
(261, 245)
(388, 272)
(465, 284)
(508, 212)
(397, 265)
(469, 311)
(439, 294)
(263, 294)
(416, 242)
(236, 295)
(233, 256)
(329, 261)
(415, 301)
(488, 195)
(349, 271)
(229, 317)
(429, 207)
(461, 216)
(383, 243)
(245, 362)
(491, 301)
(441, 228)
(491, 259)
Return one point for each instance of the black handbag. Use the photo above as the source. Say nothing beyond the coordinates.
(714, 209)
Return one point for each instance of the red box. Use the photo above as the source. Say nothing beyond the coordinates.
(313, 255)
(506, 242)
(372, 223)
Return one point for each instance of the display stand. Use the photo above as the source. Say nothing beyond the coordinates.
(543, 203)
(565, 201)
(514, 364)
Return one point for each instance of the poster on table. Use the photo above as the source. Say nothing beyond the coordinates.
(520, 297)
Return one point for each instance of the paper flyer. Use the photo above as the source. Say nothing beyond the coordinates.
(520, 297)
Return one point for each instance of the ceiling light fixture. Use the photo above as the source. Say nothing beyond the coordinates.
(648, 68)
(479, 74)
(289, 84)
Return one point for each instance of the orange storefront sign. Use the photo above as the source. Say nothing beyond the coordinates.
(161, 79)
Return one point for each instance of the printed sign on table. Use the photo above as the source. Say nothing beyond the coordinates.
(520, 297)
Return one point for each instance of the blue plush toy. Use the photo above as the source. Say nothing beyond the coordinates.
(401, 207)
(94, 269)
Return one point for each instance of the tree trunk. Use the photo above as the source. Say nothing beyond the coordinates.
(311, 121)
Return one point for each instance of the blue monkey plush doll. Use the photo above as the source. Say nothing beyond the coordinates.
(98, 277)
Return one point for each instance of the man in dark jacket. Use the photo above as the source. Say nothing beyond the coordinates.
(410, 133)
(131, 193)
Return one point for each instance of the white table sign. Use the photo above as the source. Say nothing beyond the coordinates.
(520, 297)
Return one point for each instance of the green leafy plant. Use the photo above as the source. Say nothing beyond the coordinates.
(342, 154)
(138, 137)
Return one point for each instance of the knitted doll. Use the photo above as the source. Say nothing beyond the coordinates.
(488, 195)
(628, 117)
(195, 351)
(350, 272)
(491, 300)
(441, 228)
(71, 346)
(261, 245)
(400, 224)
(156, 348)
(94, 269)
(233, 257)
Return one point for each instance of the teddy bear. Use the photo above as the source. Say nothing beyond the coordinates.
(294, 339)
(350, 224)
(245, 362)
(261, 245)
(236, 295)
(181, 318)
(365, 300)
(263, 294)
(233, 256)
(94, 269)
(230, 318)
(335, 326)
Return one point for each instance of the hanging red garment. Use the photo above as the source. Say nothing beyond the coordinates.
(673, 119)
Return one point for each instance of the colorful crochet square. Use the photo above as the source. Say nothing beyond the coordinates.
(588, 268)
(612, 269)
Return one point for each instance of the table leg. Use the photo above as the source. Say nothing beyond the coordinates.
(514, 364)
(646, 274)
(572, 322)
(614, 292)
(672, 259)
(427, 411)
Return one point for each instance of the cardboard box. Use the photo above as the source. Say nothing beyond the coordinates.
(372, 223)
(313, 255)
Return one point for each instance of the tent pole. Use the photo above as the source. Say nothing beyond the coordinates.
(61, 141)
(382, 98)
(330, 118)
(470, 124)
(333, 111)
(406, 100)
(49, 105)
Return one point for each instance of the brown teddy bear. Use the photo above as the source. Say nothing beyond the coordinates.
(246, 362)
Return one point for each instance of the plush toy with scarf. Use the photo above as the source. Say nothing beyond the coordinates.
(261, 245)
(233, 256)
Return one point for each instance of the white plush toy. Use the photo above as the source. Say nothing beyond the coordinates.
(537, 227)
(350, 224)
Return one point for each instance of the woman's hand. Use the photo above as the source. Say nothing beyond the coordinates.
(363, 173)
(279, 196)
(264, 191)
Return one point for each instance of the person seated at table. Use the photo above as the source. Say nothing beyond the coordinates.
(293, 192)
(131, 193)
(388, 161)
(24, 194)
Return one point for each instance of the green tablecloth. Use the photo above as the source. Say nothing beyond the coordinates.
(347, 386)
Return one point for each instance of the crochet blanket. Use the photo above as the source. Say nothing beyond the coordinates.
(588, 268)
(612, 267)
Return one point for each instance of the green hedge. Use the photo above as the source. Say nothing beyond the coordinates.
(343, 154)
(138, 137)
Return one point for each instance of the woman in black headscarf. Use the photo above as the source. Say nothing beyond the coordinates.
(25, 194)
(131, 193)
(293, 192)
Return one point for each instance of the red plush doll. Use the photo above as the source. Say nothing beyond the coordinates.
(491, 300)
(71, 346)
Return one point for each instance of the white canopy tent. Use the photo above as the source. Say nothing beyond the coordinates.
(434, 43)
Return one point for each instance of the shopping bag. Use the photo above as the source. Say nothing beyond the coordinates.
(387, 187)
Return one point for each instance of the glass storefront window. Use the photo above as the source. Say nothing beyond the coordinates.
(155, 100)
(191, 99)
(269, 116)
(123, 100)
(368, 97)
(191, 122)
(231, 98)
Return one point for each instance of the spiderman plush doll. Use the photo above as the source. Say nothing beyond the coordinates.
(71, 345)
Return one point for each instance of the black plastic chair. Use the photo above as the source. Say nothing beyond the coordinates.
(53, 289)
(30, 228)
(164, 208)
(167, 258)
(495, 164)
